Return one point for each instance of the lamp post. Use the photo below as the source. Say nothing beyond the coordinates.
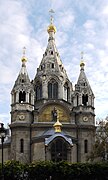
(2, 136)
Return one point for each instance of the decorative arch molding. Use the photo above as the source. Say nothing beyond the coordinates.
(46, 112)
(59, 147)
(54, 77)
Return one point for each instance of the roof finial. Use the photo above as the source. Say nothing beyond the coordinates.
(82, 54)
(24, 50)
(51, 27)
(51, 11)
(24, 59)
(82, 64)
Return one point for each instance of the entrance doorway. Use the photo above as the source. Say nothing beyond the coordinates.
(58, 150)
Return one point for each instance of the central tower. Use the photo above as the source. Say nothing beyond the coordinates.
(51, 82)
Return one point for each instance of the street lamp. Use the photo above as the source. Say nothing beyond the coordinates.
(2, 136)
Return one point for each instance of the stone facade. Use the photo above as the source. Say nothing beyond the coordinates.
(37, 105)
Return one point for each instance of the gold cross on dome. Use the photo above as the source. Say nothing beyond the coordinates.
(51, 15)
(82, 55)
(24, 51)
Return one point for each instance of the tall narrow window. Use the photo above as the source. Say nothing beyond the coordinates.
(39, 91)
(30, 98)
(50, 90)
(85, 99)
(52, 65)
(51, 52)
(22, 97)
(66, 92)
(53, 90)
(58, 150)
(21, 145)
(22, 80)
(77, 100)
(85, 146)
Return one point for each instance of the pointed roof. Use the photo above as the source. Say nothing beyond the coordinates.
(23, 77)
(51, 61)
(82, 80)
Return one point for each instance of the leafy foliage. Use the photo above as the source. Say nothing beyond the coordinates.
(100, 148)
(47, 170)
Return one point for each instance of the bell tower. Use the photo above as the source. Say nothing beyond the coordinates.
(83, 101)
(22, 105)
(83, 107)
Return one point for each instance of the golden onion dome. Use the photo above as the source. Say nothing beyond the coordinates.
(24, 59)
(57, 123)
(57, 126)
(51, 28)
(82, 63)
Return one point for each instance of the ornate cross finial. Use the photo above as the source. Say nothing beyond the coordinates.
(24, 50)
(82, 64)
(24, 59)
(82, 55)
(51, 15)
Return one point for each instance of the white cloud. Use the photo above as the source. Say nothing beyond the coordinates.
(4, 118)
(59, 5)
(105, 11)
(81, 26)
(89, 24)
(66, 20)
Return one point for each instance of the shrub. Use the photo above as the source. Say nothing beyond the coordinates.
(48, 170)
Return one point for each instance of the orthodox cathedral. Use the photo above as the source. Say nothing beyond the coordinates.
(49, 119)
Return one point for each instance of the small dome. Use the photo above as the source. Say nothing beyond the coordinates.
(57, 123)
(82, 63)
(51, 28)
(57, 126)
(23, 59)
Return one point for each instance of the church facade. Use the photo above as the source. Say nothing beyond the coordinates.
(49, 119)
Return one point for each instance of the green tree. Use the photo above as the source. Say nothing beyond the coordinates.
(100, 148)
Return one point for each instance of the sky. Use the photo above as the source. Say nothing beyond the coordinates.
(82, 25)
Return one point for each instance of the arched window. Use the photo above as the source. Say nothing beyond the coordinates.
(38, 91)
(53, 90)
(85, 99)
(66, 92)
(52, 65)
(86, 146)
(21, 145)
(30, 98)
(22, 97)
(22, 80)
(58, 150)
(77, 100)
